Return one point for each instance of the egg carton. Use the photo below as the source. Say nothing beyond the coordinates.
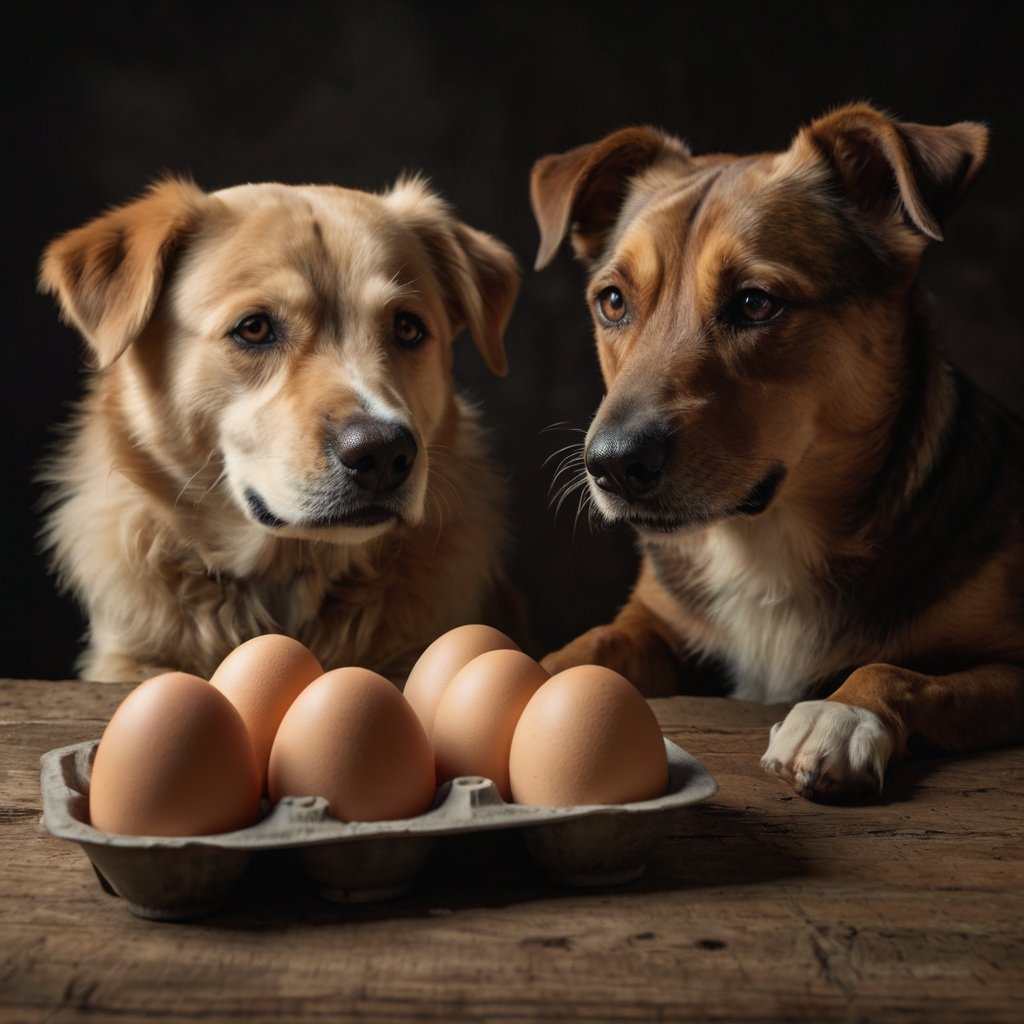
(179, 878)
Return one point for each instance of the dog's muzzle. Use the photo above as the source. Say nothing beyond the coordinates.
(635, 466)
(369, 462)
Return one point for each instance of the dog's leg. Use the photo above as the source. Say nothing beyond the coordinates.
(840, 747)
(108, 659)
(637, 644)
(119, 668)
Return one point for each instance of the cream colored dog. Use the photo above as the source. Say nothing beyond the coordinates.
(271, 441)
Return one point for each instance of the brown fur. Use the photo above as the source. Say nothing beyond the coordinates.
(153, 524)
(835, 499)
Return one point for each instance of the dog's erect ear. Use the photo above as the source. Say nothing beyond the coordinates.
(583, 189)
(107, 274)
(890, 167)
(480, 274)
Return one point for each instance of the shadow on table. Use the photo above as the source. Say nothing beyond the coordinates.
(490, 870)
(709, 847)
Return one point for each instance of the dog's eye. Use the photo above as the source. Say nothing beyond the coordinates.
(755, 306)
(255, 329)
(611, 305)
(410, 330)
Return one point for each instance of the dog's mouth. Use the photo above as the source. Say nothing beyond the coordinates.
(343, 515)
(762, 494)
(371, 476)
(259, 511)
(662, 518)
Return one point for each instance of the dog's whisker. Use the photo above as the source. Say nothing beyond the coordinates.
(444, 499)
(569, 487)
(586, 502)
(578, 484)
(570, 477)
(570, 465)
(562, 425)
(571, 462)
(572, 483)
(441, 497)
(188, 483)
(443, 492)
(216, 482)
(572, 448)
(583, 499)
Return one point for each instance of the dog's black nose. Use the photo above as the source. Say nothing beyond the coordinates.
(628, 461)
(378, 454)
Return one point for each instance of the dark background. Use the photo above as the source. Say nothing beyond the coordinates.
(106, 99)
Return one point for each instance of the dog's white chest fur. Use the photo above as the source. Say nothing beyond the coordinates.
(765, 621)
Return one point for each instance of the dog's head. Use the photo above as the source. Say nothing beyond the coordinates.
(288, 347)
(748, 310)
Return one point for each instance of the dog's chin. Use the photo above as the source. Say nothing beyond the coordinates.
(341, 522)
(659, 516)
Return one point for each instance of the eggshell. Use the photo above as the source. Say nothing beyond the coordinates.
(437, 665)
(477, 715)
(174, 760)
(351, 738)
(262, 677)
(587, 736)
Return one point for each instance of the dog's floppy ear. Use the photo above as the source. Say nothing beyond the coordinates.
(583, 190)
(107, 274)
(891, 167)
(485, 276)
(480, 274)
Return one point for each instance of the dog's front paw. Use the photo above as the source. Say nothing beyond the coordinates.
(614, 648)
(589, 649)
(642, 656)
(829, 750)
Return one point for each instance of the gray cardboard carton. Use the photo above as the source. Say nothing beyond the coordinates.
(176, 878)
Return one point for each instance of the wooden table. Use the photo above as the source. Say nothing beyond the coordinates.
(758, 906)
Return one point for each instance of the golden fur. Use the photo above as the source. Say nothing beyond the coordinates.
(201, 496)
(818, 495)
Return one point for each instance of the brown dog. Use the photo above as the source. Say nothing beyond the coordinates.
(818, 494)
(272, 441)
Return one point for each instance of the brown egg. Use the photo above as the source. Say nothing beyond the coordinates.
(587, 736)
(477, 715)
(351, 738)
(262, 677)
(437, 665)
(174, 760)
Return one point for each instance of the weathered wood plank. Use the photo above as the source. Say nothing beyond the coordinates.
(758, 906)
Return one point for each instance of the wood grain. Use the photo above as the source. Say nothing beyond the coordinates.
(758, 906)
